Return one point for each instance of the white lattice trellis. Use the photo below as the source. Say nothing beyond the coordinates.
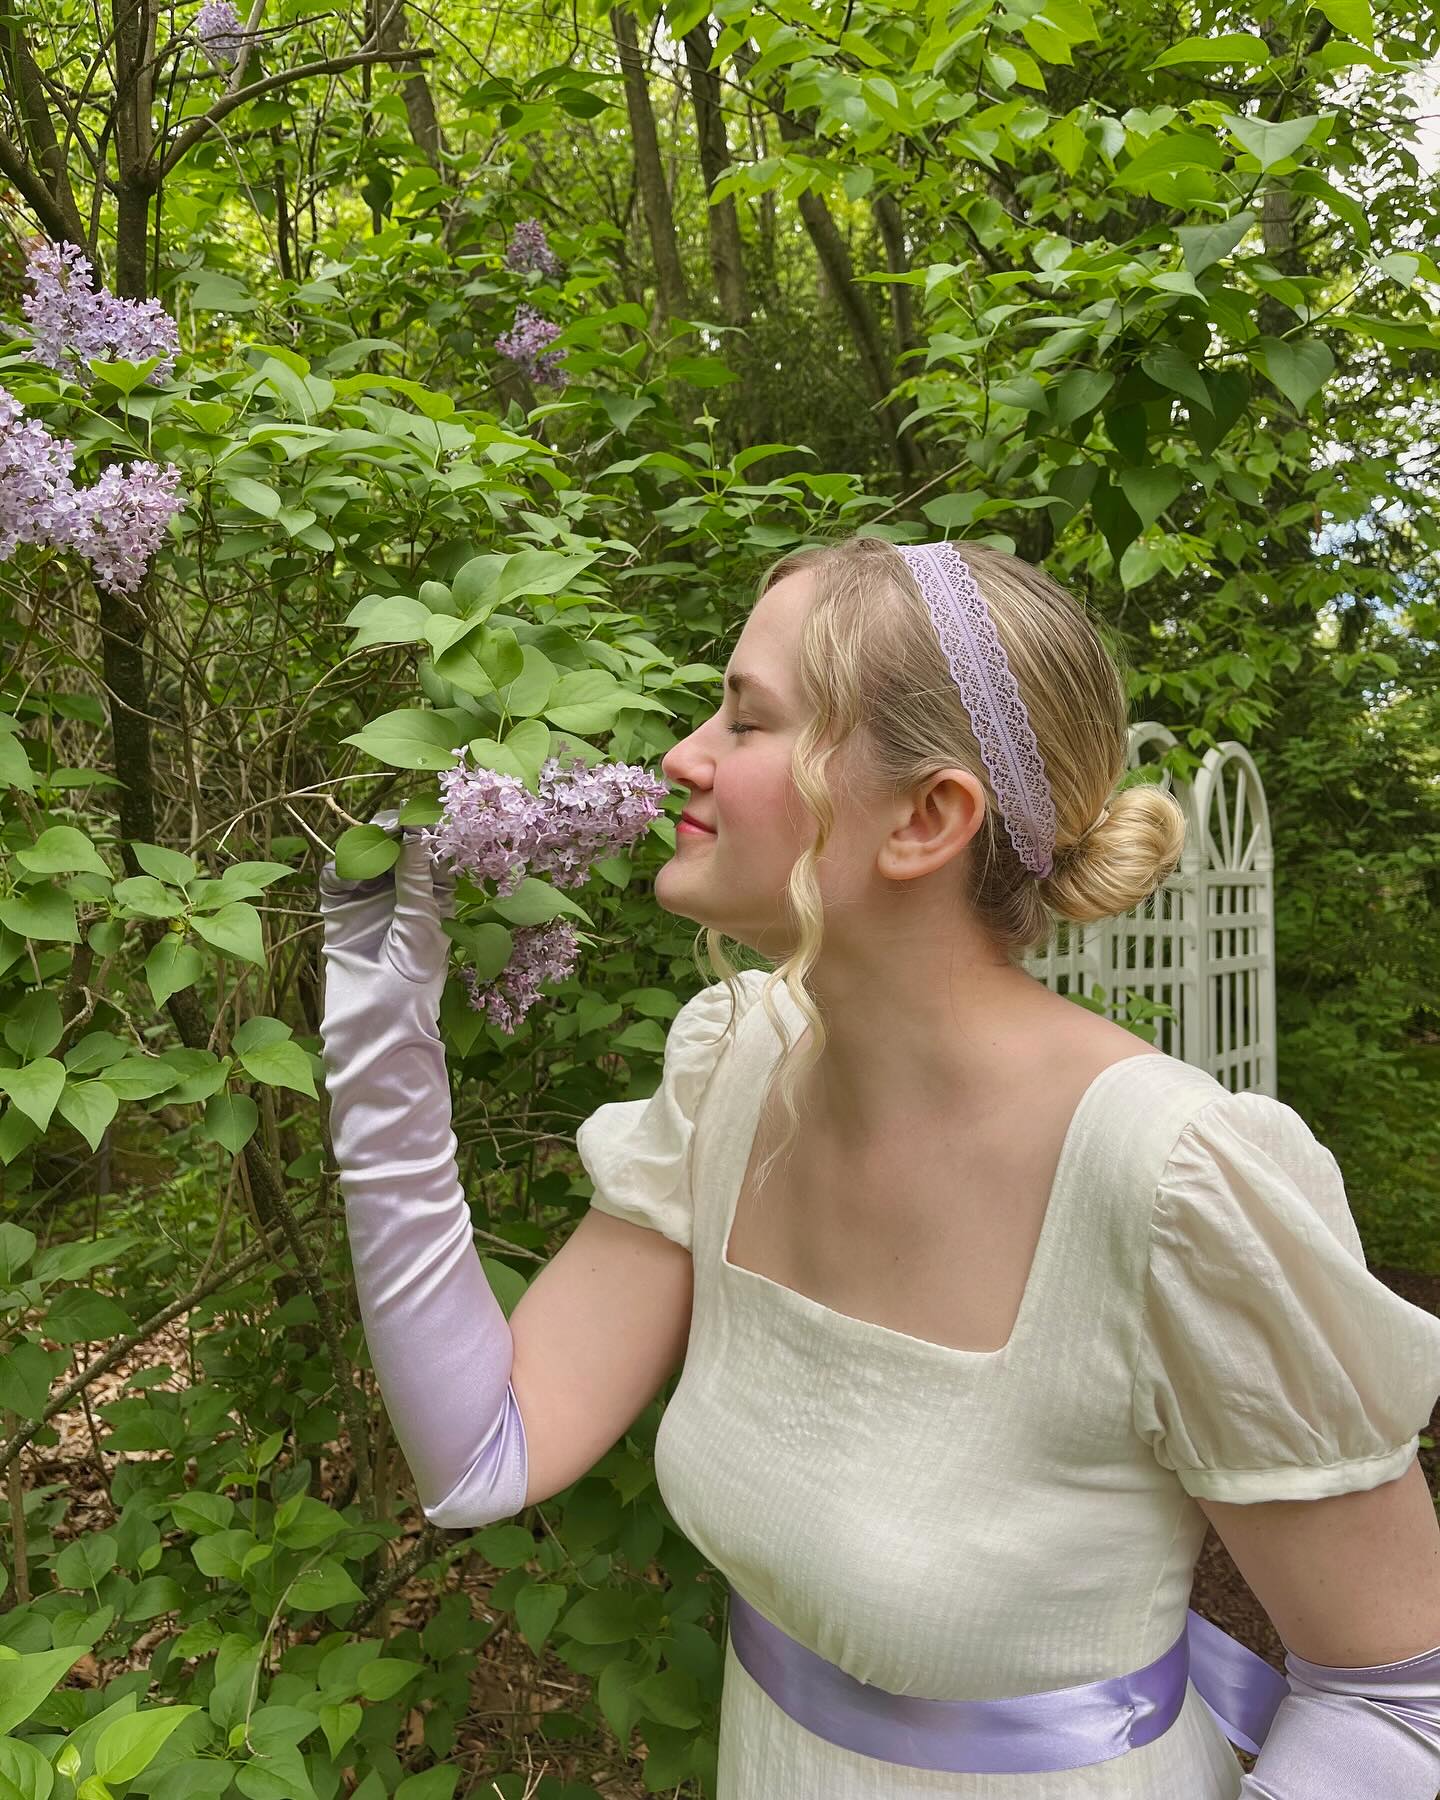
(1204, 943)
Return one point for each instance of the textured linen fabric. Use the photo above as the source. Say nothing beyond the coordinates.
(963, 1524)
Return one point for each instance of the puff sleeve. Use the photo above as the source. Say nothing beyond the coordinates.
(637, 1152)
(1272, 1364)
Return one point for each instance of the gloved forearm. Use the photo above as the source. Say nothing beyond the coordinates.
(1342, 1733)
(440, 1344)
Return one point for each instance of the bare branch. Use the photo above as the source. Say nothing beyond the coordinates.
(333, 65)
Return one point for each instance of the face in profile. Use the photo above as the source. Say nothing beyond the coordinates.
(735, 772)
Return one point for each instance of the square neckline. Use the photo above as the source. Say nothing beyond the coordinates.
(807, 1303)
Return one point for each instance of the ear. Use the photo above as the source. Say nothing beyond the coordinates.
(945, 814)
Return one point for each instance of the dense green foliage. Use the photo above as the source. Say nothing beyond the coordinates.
(1143, 295)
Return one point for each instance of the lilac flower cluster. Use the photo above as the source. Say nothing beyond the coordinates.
(525, 341)
(492, 827)
(541, 953)
(221, 32)
(529, 248)
(71, 321)
(495, 829)
(117, 523)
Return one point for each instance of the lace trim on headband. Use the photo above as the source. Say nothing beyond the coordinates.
(991, 695)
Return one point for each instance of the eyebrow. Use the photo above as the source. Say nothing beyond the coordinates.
(738, 682)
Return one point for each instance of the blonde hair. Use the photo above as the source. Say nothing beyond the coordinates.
(870, 661)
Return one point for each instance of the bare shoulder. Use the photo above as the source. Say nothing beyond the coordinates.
(1085, 1044)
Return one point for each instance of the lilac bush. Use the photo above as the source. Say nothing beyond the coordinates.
(71, 321)
(117, 523)
(221, 31)
(530, 249)
(526, 340)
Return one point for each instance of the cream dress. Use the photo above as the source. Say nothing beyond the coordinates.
(962, 1524)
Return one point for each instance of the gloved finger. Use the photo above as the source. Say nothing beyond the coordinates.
(357, 912)
(355, 915)
(417, 946)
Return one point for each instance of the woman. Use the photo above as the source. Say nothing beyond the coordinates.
(984, 1307)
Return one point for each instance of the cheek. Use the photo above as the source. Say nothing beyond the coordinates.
(755, 796)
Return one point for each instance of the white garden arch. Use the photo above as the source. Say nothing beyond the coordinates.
(1204, 943)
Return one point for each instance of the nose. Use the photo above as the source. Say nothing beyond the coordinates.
(687, 762)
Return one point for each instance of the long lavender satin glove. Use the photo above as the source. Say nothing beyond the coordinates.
(438, 1339)
(1343, 1733)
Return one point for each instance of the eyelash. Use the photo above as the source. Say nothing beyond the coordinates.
(736, 730)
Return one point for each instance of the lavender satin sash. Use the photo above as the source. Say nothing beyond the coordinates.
(1061, 1728)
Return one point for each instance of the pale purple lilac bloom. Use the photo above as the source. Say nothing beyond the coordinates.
(494, 829)
(221, 31)
(117, 522)
(541, 953)
(530, 249)
(71, 321)
(525, 341)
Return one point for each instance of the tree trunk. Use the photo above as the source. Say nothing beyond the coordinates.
(48, 191)
(855, 309)
(892, 233)
(134, 28)
(726, 253)
(394, 34)
(672, 297)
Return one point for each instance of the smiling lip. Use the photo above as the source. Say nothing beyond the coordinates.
(688, 824)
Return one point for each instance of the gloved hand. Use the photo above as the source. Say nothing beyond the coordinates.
(439, 1341)
(1342, 1733)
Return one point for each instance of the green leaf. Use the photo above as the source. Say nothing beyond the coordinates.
(409, 739)
(1226, 47)
(156, 1595)
(537, 1607)
(142, 896)
(321, 1588)
(251, 495)
(130, 1745)
(387, 619)
(279, 1065)
(34, 1026)
(41, 912)
(1079, 391)
(1270, 143)
(26, 1372)
(202, 1513)
(230, 1121)
(87, 1561)
(382, 1679)
(430, 1784)
(302, 1522)
(15, 770)
(26, 1680)
(1206, 244)
(124, 376)
(1299, 367)
(17, 1246)
(1150, 491)
(1173, 369)
(172, 965)
(35, 1088)
(167, 865)
(96, 1050)
(1167, 153)
(79, 1315)
(363, 851)
(340, 1724)
(140, 1077)
(89, 1106)
(235, 928)
(1353, 17)
(62, 850)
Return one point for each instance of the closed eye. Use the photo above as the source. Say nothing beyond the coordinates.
(738, 729)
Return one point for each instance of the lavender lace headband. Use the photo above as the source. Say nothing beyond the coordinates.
(992, 699)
